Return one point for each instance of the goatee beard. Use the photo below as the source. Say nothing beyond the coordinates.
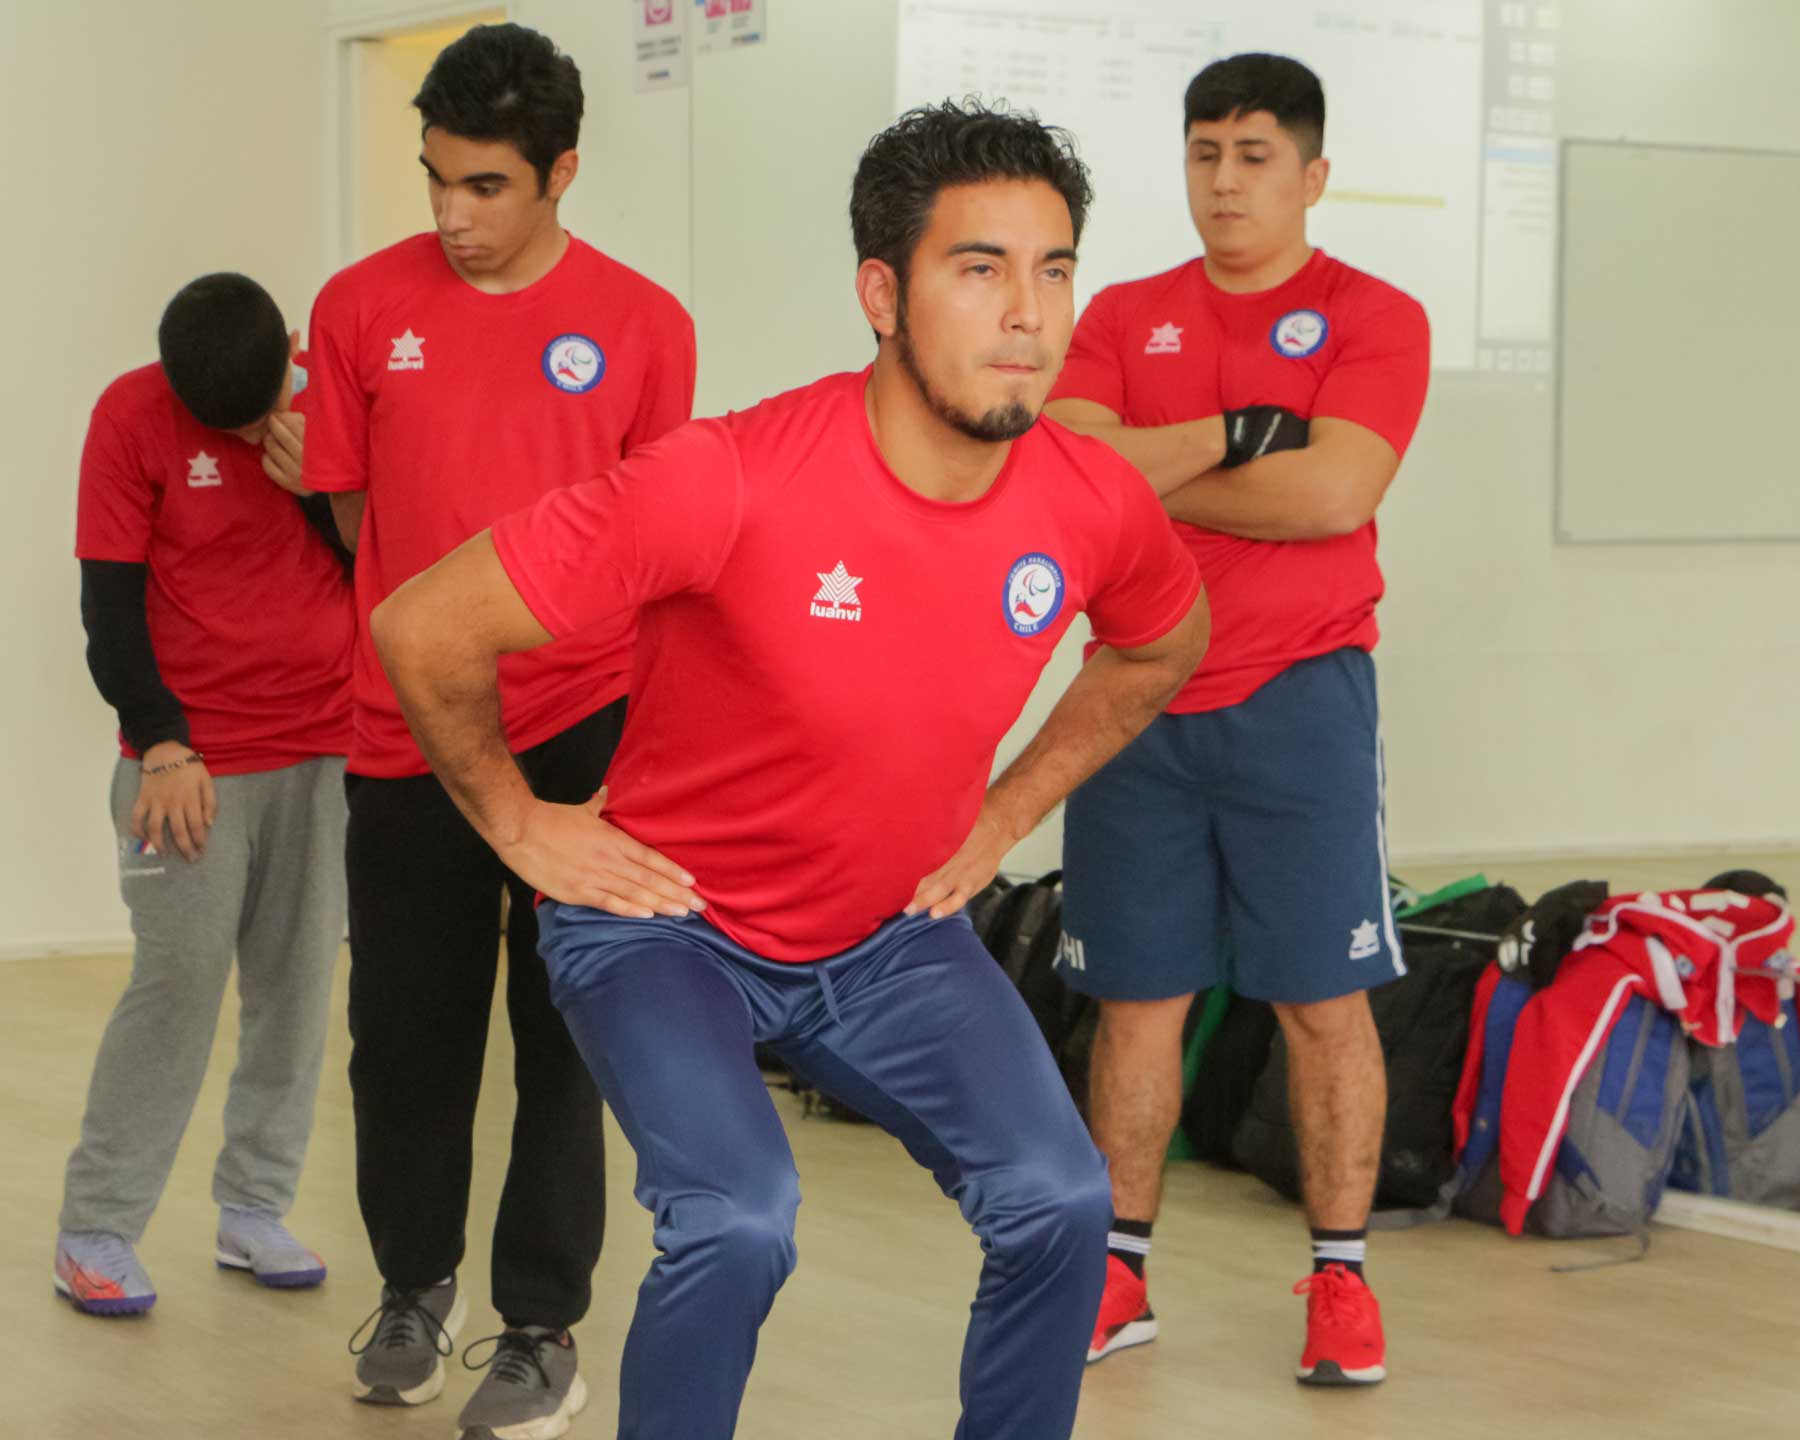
(1001, 423)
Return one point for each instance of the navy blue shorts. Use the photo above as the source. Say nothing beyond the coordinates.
(1260, 825)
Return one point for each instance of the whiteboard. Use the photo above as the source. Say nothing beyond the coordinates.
(1409, 164)
(1679, 322)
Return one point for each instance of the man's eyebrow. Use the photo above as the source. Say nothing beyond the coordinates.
(988, 247)
(1252, 140)
(482, 177)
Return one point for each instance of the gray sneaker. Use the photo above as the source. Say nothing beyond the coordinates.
(98, 1271)
(402, 1361)
(531, 1390)
(257, 1241)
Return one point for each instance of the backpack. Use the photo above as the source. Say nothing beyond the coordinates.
(1234, 1056)
(1536, 941)
(988, 909)
(1624, 1118)
(1423, 1021)
(1021, 926)
(1740, 1135)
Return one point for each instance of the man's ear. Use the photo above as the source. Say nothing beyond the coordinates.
(293, 344)
(562, 174)
(1317, 173)
(878, 290)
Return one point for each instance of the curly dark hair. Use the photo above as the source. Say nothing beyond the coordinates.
(933, 147)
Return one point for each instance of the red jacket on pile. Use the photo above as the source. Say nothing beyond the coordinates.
(1708, 956)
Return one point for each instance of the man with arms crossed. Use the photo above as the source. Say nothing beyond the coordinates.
(847, 593)
(1253, 808)
(460, 375)
(219, 627)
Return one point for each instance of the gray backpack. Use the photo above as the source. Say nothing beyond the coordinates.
(1625, 1119)
(1741, 1128)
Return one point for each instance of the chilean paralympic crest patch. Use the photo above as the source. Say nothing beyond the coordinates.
(574, 364)
(1033, 596)
(1299, 333)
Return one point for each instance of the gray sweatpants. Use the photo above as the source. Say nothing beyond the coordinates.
(271, 889)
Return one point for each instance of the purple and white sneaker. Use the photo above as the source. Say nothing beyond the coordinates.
(98, 1272)
(257, 1241)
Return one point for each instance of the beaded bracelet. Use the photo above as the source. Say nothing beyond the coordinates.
(195, 758)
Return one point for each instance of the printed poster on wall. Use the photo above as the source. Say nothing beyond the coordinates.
(729, 24)
(659, 38)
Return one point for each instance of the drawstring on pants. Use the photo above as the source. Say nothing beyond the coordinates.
(831, 1005)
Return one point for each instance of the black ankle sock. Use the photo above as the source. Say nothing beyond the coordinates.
(1130, 1241)
(1340, 1247)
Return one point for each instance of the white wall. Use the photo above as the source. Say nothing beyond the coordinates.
(1537, 698)
(1543, 698)
(149, 143)
(386, 181)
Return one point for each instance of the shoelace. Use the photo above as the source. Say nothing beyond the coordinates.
(1332, 1292)
(515, 1358)
(401, 1319)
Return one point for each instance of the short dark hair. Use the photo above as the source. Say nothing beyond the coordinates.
(1244, 84)
(504, 82)
(224, 349)
(934, 147)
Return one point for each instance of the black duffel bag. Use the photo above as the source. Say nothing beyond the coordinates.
(1423, 1021)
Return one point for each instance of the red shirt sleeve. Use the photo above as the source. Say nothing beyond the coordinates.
(1152, 581)
(116, 503)
(1094, 368)
(337, 407)
(667, 401)
(1379, 380)
(660, 522)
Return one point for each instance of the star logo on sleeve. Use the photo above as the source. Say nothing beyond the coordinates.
(837, 598)
(203, 471)
(409, 352)
(1365, 940)
(1164, 340)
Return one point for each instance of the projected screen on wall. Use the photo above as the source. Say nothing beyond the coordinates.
(1439, 128)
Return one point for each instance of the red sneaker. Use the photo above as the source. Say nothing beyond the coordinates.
(1344, 1344)
(1125, 1319)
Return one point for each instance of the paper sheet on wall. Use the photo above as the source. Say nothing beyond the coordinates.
(729, 24)
(659, 38)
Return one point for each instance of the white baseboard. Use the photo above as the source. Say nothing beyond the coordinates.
(1759, 1224)
(1620, 850)
(76, 945)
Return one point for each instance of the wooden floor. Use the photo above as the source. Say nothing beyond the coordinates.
(1698, 1339)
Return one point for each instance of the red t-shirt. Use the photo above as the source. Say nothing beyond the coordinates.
(250, 619)
(453, 407)
(1329, 341)
(826, 659)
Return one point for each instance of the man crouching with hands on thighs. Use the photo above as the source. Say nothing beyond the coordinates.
(845, 596)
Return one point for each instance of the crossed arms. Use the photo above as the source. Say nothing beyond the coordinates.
(1328, 487)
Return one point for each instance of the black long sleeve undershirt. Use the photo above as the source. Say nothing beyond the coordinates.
(120, 656)
(317, 509)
